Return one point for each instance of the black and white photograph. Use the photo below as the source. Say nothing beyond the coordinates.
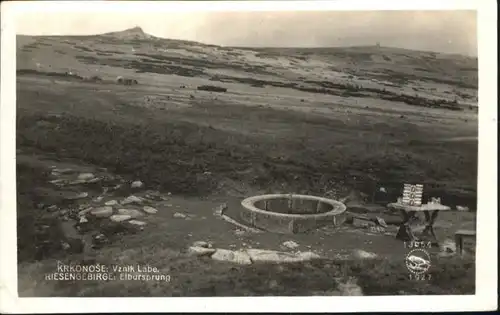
(247, 153)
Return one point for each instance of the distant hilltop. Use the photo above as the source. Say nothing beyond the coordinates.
(131, 33)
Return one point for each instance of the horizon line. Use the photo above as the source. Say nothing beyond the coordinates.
(475, 56)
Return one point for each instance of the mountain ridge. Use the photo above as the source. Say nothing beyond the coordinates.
(137, 32)
(416, 78)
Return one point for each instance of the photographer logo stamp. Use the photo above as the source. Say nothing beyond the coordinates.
(418, 263)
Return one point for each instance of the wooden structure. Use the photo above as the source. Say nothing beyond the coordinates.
(430, 210)
(459, 239)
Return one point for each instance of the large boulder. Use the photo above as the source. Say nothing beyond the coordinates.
(361, 254)
(133, 213)
(149, 210)
(137, 223)
(290, 244)
(125, 81)
(179, 215)
(85, 176)
(111, 203)
(202, 244)
(74, 195)
(264, 255)
(132, 200)
(349, 288)
(120, 217)
(211, 88)
(137, 184)
(201, 251)
(239, 257)
(102, 212)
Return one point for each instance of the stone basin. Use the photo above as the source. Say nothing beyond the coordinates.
(290, 213)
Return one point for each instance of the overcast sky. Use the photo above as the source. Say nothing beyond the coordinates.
(442, 31)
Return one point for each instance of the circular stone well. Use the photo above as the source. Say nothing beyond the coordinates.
(289, 213)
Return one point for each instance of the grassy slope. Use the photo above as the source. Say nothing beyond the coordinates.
(171, 153)
(417, 78)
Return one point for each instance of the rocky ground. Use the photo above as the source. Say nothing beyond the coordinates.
(95, 206)
(96, 210)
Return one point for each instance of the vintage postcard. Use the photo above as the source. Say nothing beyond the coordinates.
(292, 156)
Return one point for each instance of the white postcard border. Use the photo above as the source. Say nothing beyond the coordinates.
(487, 265)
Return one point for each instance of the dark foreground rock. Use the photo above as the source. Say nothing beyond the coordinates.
(211, 88)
